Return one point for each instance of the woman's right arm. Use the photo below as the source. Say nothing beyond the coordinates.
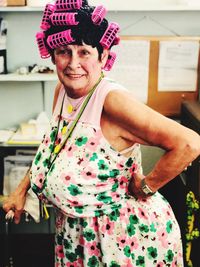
(16, 200)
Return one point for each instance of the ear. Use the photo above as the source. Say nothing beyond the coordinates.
(53, 60)
(104, 57)
(53, 57)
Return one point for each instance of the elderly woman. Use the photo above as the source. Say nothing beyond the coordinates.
(88, 164)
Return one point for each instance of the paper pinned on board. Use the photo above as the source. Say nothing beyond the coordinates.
(178, 63)
(131, 68)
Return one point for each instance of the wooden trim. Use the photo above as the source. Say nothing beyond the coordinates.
(167, 103)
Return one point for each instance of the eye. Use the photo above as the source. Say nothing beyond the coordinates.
(63, 51)
(84, 52)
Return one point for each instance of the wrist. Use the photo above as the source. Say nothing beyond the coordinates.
(146, 188)
(23, 187)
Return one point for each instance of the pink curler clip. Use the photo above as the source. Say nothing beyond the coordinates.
(110, 61)
(49, 9)
(98, 14)
(68, 4)
(109, 35)
(44, 53)
(117, 40)
(60, 39)
(64, 18)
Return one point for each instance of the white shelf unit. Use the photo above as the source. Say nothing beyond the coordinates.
(37, 77)
(112, 6)
(20, 9)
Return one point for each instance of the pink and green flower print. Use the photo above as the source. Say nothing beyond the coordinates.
(98, 224)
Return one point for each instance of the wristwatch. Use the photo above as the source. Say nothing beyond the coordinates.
(146, 189)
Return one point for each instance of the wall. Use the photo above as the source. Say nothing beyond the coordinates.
(20, 101)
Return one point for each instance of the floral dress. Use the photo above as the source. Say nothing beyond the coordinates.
(97, 222)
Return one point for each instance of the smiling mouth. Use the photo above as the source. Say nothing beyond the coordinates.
(74, 76)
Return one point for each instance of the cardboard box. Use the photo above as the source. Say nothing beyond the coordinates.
(16, 2)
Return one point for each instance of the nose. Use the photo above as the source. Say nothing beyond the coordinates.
(74, 62)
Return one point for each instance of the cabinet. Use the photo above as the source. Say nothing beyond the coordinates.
(30, 244)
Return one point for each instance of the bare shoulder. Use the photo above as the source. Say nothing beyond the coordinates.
(123, 103)
(145, 123)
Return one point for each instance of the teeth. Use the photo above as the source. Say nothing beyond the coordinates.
(74, 75)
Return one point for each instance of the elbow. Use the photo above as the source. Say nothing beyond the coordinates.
(192, 146)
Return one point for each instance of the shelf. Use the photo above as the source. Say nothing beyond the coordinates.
(113, 7)
(37, 77)
(21, 9)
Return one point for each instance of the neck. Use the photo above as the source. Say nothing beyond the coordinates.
(75, 103)
(78, 93)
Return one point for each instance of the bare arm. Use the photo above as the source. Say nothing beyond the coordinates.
(16, 200)
(181, 144)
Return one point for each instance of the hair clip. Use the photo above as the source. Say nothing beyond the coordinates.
(98, 14)
(49, 9)
(110, 61)
(68, 4)
(116, 40)
(109, 35)
(59, 39)
(84, 3)
(64, 18)
(44, 53)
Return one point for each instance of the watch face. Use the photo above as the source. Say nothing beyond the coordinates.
(145, 188)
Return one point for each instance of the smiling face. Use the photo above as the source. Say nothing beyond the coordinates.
(79, 68)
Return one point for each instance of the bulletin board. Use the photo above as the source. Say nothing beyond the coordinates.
(166, 102)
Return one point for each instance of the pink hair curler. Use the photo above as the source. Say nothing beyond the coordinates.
(49, 9)
(68, 4)
(109, 35)
(98, 14)
(64, 18)
(60, 39)
(110, 61)
(44, 53)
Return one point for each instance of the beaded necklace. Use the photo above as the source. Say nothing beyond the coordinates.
(57, 148)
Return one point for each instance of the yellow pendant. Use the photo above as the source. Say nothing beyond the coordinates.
(69, 108)
(64, 130)
(57, 149)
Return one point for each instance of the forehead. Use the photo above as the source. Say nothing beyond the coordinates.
(75, 47)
